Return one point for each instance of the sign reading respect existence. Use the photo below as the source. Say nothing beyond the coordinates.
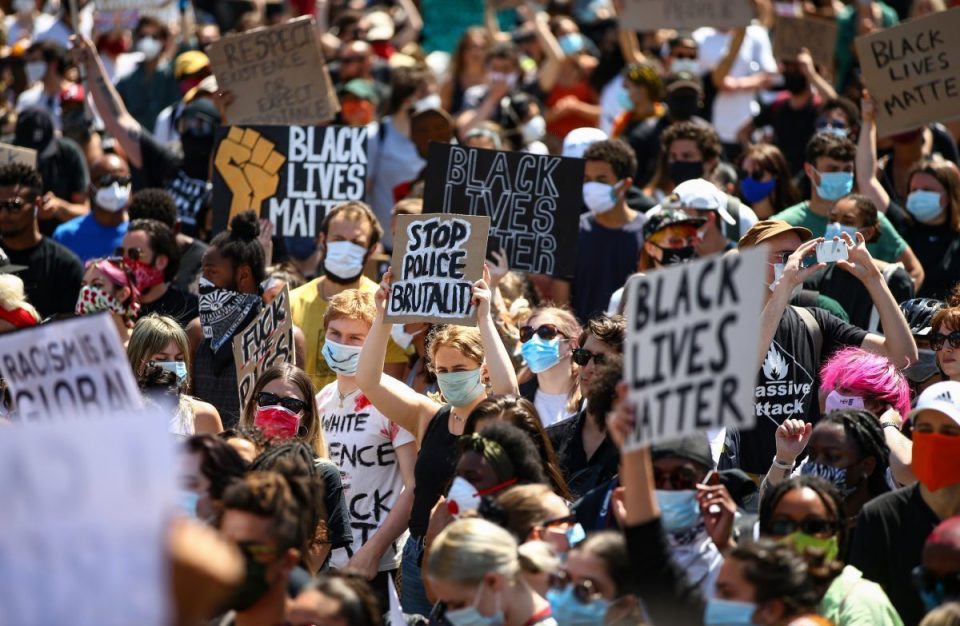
(647, 15)
(913, 71)
(533, 201)
(690, 353)
(86, 506)
(277, 75)
(75, 367)
(266, 341)
(291, 175)
(436, 260)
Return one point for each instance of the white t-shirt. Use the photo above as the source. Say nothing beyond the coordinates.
(362, 442)
(731, 111)
(552, 407)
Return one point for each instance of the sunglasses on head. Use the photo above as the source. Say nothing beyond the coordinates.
(265, 398)
(128, 253)
(937, 340)
(583, 591)
(812, 526)
(679, 479)
(582, 356)
(546, 332)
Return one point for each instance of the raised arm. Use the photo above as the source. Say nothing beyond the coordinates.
(809, 69)
(550, 69)
(411, 30)
(503, 379)
(866, 162)
(719, 73)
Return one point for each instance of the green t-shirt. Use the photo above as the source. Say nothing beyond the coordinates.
(888, 247)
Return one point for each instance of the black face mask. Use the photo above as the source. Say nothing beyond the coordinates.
(196, 155)
(683, 106)
(675, 256)
(253, 587)
(795, 82)
(682, 171)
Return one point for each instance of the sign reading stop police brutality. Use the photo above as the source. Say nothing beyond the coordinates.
(436, 260)
(76, 367)
(690, 353)
(913, 71)
(266, 341)
(533, 201)
(291, 175)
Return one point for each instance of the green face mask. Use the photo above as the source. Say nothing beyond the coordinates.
(802, 541)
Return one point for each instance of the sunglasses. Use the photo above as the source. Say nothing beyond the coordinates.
(937, 340)
(13, 206)
(812, 526)
(582, 356)
(265, 398)
(685, 57)
(837, 124)
(583, 591)
(128, 253)
(108, 179)
(547, 332)
(679, 479)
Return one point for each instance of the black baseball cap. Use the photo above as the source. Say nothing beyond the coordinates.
(665, 218)
(693, 447)
(35, 131)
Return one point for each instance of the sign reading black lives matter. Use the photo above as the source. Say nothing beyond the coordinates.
(691, 348)
(266, 341)
(74, 367)
(291, 175)
(533, 201)
(436, 260)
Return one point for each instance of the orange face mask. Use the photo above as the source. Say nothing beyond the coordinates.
(936, 460)
(357, 112)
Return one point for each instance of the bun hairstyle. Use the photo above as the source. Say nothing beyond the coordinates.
(241, 246)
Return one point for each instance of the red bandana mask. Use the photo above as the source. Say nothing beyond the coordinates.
(147, 276)
(277, 422)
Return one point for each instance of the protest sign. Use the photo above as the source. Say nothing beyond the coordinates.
(690, 352)
(912, 71)
(533, 201)
(436, 260)
(86, 506)
(291, 175)
(277, 75)
(73, 367)
(15, 154)
(819, 36)
(266, 341)
(647, 15)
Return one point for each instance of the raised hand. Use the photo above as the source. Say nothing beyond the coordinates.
(792, 437)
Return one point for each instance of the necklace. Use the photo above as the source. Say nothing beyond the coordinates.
(344, 396)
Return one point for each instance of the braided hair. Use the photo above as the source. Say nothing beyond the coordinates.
(241, 246)
(864, 429)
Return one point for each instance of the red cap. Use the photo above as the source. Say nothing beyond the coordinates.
(72, 94)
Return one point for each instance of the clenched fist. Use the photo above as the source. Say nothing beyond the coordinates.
(249, 165)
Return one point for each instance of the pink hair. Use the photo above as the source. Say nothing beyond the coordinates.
(856, 371)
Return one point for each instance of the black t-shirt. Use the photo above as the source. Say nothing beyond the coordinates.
(788, 382)
(52, 278)
(175, 303)
(190, 259)
(937, 248)
(582, 474)
(339, 532)
(888, 544)
(851, 294)
(606, 257)
(163, 168)
(644, 137)
(433, 470)
(65, 174)
(792, 127)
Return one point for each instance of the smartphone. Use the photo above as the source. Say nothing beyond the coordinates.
(832, 251)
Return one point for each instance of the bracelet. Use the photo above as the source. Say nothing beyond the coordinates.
(890, 425)
(781, 465)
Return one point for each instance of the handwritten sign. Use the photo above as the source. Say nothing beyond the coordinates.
(647, 15)
(277, 75)
(691, 346)
(819, 36)
(15, 154)
(436, 260)
(86, 504)
(266, 341)
(533, 201)
(74, 367)
(913, 71)
(291, 175)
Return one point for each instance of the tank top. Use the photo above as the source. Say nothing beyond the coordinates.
(218, 387)
(433, 470)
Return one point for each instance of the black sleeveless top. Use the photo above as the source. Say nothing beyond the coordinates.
(434, 469)
(217, 386)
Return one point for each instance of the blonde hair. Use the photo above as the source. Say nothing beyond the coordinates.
(312, 429)
(523, 508)
(568, 325)
(351, 304)
(464, 339)
(151, 334)
(13, 296)
(470, 548)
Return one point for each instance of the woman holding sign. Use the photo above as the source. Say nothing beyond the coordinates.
(467, 361)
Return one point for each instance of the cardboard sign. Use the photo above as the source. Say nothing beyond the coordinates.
(277, 75)
(15, 154)
(119, 5)
(74, 367)
(816, 35)
(266, 341)
(86, 505)
(436, 260)
(690, 352)
(913, 71)
(647, 15)
(291, 175)
(533, 201)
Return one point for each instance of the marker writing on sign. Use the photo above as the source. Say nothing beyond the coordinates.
(911, 58)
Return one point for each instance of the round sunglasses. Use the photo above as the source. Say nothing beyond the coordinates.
(265, 398)
(582, 356)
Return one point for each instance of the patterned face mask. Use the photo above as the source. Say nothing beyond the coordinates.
(93, 299)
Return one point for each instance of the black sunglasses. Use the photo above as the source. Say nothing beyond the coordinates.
(582, 356)
(584, 591)
(937, 340)
(681, 479)
(13, 206)
(265, 398)
(546, 332)
(128, 253)
(108, 179)
(811, 526)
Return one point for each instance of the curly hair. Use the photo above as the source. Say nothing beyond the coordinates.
(14, 174)
(706, 138)
(153, 204)
(610, 329)
(778, 573)
(617, 153)
(519, 448)
(220, 463)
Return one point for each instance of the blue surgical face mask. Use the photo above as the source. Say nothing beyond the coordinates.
(460, 388)
(340, 358)
(835, 475)
(187, 501)
(729, 613)
(571, 43)
(924, 205)
(569, 611)
(834, 185)
(177, 367)
(623, 99)
(540, 354)
(755, 190)
(679, 509)
(835, 229)
(470, 616)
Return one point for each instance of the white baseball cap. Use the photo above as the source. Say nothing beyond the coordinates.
(579, 139)
(943, 397)
(703, 195)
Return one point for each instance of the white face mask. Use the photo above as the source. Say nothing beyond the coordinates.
(113, 198)
(462, 497)
(685, 65)
(401, 337)
(150, 47)
(500, 77)
(599, 197)
(534, 129)
(344, 259)
(35, 70)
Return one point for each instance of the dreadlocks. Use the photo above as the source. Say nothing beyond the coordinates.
(865, 430)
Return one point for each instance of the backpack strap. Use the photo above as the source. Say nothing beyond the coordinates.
(732, 231)
(813, 328)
